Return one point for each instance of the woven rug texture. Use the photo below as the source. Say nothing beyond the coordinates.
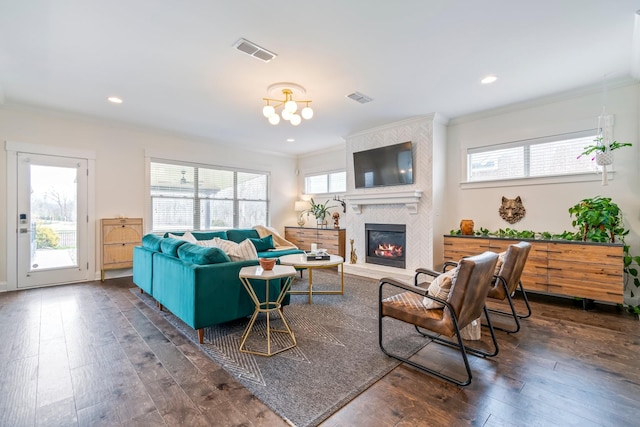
(337, 354)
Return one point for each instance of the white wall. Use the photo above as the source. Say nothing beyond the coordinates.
(547, 205)
(322, 161)
(120, 163)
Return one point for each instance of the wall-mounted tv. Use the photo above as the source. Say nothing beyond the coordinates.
(390, 165)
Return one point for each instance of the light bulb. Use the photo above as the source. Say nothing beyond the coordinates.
(274, 119)
(295, 119)
(268, 111)
(307, 113)
(286, 115)
(291, 106)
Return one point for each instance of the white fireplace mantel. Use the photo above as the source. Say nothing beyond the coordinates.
(408, 198)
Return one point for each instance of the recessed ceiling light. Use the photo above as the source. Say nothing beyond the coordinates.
(489, 79)
(291, 140)
(115, 99)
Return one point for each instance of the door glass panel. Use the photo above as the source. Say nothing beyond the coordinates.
(54, 227)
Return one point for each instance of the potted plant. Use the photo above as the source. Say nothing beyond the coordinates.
(599, 219)
(602, 152)
(320, 212)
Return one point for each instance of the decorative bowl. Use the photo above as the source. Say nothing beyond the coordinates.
(267, 263)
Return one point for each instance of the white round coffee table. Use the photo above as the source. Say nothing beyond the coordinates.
(299, 261)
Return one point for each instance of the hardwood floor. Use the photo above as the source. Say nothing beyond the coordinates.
(93, 354)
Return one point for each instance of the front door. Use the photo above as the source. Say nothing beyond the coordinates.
(52, 220)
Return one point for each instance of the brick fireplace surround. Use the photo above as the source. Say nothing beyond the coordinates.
(418, 205)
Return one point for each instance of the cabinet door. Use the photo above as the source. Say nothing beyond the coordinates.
(534, 275)
(301, 237)
(456, 248)
(121, 230)
(332, 241)
(586, 271)
(118, 255)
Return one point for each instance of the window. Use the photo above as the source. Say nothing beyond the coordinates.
(541, 157)
(334, 182)
(195, 197)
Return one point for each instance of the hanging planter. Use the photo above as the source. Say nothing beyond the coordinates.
(603, 154)
(604, 158)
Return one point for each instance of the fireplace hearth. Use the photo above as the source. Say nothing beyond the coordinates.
(386, 244)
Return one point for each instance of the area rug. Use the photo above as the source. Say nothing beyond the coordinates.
(337, 354)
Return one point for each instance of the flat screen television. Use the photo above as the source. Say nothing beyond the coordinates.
(383, 166)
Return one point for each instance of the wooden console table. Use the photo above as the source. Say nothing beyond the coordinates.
(331, 239)
(568, 268)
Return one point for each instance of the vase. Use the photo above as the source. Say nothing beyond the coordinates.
(321, 223)
(466, 227)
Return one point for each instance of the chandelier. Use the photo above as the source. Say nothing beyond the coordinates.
(286, 108)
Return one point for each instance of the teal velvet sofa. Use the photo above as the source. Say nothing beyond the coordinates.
(199, 284)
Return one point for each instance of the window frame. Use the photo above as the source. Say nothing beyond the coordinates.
(326, 174)
(197, 199)
(592, 175)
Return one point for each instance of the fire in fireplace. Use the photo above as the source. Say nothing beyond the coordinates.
(386, 244)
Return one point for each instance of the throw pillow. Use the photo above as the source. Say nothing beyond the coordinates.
(472, 331)
(208, 243)
(264, 244)
(225, 245)
(187, 237)
(439, 288)
(239, 235)
(243, 251)
(201, 255)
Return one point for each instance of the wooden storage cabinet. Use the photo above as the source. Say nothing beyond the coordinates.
(118, 237)
(331, 239)
(574, 269)
(587, 271)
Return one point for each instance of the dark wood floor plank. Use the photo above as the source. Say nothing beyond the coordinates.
(60, 413)
(94, 354)
(174, 405)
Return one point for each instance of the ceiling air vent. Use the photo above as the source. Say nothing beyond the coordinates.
(254, 50)
(360, 97)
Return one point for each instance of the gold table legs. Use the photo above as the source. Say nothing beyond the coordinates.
(267, 307)
(311, 292)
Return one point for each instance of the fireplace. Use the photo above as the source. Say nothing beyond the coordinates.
(386, 244)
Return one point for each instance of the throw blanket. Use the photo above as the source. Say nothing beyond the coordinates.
(278, 241)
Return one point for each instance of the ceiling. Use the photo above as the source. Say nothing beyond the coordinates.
(174, 65)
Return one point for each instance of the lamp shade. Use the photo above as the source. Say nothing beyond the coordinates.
(291, 106)
(307, 113)
(275, 119)
(295, 119)
(268, 111)
(301, 205)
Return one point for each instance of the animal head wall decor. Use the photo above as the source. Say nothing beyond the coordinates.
(512, 210)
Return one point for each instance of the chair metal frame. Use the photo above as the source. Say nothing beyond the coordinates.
(458, 344)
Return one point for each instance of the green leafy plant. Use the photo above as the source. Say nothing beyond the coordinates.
(46, 237)
(600, 147)
(319, 210)
(599, 219)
